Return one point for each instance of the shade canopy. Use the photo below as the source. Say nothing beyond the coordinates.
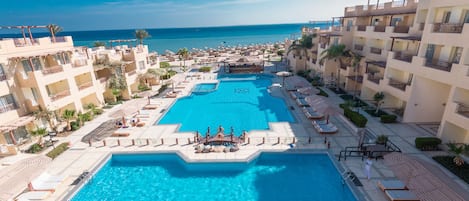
(283, 74)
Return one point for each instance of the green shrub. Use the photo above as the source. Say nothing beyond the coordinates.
(142, 87)
(388, 118)
(343, 105)
(322, 92)
(372, 112)
(460, 171)
(316, 81)
(87, 116)
(75, 125)
(381, 139)
(356, 118)
(58, 150)
(427, 143)
(164, 64)
(205, 69)
(108, 106)
(35, 148)
(171, 73)
(98, 111)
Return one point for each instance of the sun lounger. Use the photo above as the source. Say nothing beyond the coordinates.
(33, 195)
(50, 178)
(301, 102)
(150, 107)
(311, 114)
(295, 95)
(140, 124)
(45, 182)
(326, 128)
(391, 185)
(401, 195)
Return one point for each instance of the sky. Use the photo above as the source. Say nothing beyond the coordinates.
(75, 15)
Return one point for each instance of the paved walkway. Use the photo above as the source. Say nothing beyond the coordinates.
(81, 157)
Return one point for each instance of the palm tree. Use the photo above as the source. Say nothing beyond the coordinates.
(335, 52)
(302, 45)
(68, 115)
(99, 44)
(355, 61)
(183, 54)
(117, 84)
(457, 150)
(141, 34)
(378, 97)
(45, 114)
(54, 29)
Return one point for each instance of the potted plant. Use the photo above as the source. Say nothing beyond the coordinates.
(381, 139)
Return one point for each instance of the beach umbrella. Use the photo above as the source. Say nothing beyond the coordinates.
(283, 74)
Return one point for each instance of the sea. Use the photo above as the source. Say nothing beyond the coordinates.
(162, 40)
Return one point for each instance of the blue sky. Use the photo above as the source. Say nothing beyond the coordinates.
(129, 14)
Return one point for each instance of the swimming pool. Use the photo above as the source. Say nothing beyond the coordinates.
(204, 87)
(271, 176)
(240, 101)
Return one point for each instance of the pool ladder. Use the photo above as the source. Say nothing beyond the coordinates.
(347, 174)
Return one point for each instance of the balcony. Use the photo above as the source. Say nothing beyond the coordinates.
(52, 70)
(343, 66)
(361, 27)
(447, 28)
(401, 29)
(404, 57)
(7, 107)
(397, 84)
(374, 79)
(375, 50)
(131, 73)
(79, 63)
(439, 64)
(103, 79)
(380, 28)
(85, 85)
(59, 95)
(358, 47)
(463, 110)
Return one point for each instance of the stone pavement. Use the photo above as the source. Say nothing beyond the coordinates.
(81, 157)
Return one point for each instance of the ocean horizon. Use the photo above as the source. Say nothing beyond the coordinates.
(172, 39)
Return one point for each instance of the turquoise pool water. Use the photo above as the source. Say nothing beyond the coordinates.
(240, 101)
(270, 177)
(204, 87)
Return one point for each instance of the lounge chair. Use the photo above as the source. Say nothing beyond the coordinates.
(150, 107)
(401, 195)
(33, 195)
(45, 182)
(326, 128)
(311, 114)
(295, 95)
(301, 102)
(385, 185)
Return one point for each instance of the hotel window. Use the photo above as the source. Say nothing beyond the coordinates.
(3, 75)
(446, 16)
(58, 58)
(466, 16)
(7, 103)
(141, 65)
(36, 63)
(67, 58)
(26, 65)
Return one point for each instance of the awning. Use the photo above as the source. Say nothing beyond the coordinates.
(16, 123)
(377, 63)
(412, 38)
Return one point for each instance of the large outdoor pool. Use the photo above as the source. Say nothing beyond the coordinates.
(241, 101)
(270, 177)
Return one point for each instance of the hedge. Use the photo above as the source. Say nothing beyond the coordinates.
(356, 118)
(322, 92)
(427, 143)
(388, 118)
(372, 112)
(205, 69)
(447, 161)
(58, 150)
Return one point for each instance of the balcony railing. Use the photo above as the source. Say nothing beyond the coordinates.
(447, 28)
(103, 79)
(404, 57)
(323, 45)
(79, 63)
(52, 70)
(59, 95)
(131, 73)
(374, 79)
(85, 85)
(397, 84)
(359, 47)
(7, 107)
(463, 109)
(361, 27)
(380, 28)
(401, 29)
(439, 64)
(375, 50)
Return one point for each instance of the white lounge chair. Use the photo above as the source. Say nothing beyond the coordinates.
(311, 113)
(385, 185)
(401, 195)
(301, 102)
(33, 195)
(45, 182)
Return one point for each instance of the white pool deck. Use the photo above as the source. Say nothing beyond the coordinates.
(83, 157)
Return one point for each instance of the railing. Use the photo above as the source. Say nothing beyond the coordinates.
(447, 28)
(374, 79)
(397, 84)
(7, 107)
(404, 57)
(80, 63)
(85, 85)
(361, 27)
(380, 28)
(131, 73)
(52, 70)
(359, 47)
(3, 77)
(401, 29)
(375, 50)
(323, 45)
(463, 110)
(59, 95)
(350, 9)
(439, 64)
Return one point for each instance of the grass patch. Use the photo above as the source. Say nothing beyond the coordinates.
(58, 150)
(460, 171)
